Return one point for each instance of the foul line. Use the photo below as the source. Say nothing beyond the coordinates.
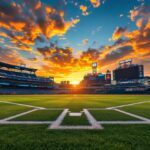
(131, 104)
(19, 104)
(133, 115)
(18, 115)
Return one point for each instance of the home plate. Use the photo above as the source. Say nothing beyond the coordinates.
(75, 114)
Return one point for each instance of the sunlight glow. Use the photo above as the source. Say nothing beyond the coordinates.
(75, 82)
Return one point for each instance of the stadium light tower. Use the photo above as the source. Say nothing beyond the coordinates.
(94, 67)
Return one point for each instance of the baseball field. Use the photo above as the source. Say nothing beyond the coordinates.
(114, 122)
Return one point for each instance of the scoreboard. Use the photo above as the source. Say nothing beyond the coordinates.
(129, 73)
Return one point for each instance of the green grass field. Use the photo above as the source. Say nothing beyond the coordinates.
(7, 110)
(69, 120)
(110, 115)
(112, 137)
(40, 115)
(75, 102)
(140, 109)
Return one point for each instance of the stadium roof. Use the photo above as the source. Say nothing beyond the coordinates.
(2, 64)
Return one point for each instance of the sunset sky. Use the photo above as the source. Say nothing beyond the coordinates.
(62, 38)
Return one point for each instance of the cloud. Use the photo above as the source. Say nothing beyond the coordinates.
(141, 11)
(41, 22)
(26, 21)
(90, 55)
(141, 23)
(34, 59)
(85, 41)
(140, 38)
(119, 32)
(117, 55)
(95, 3)
(121, 15)
(57, 55)
(10, 56)
(84, 10)
(134, 44)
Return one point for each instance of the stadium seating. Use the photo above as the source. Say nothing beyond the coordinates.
(22, 77)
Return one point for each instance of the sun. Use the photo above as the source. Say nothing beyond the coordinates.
(75, 82)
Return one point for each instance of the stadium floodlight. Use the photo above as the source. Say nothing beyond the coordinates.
(94, 64)
(94, 67)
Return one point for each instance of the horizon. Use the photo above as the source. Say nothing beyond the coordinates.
(62, 38)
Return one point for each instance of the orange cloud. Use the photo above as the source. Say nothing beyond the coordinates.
(40, 19)
(119, 32)
(38, 5)
(10, 56)
(95, 3)
(61, 62)
(84, 10)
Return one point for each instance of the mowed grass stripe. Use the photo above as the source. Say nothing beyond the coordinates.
(75, 102)
(140, 109)
(111, 115)
(7, 110)
(40, 115)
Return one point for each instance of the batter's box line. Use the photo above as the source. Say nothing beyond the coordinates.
(92, 121)
(78, 127)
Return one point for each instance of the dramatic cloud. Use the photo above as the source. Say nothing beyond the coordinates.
(59, 56)
(23, 23)
(134, 44)
(140, 38)
(117, 55)
(62, 61)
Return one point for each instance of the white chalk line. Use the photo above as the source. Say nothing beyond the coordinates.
(19, 104)
(94, 123)
(76, 128)
(133, 115)
(131, 104)
(59, 120)
(96, 108)
(7, 120)
(18, 115)
(119, 106)
(25, 122)
(123, 122)
(31, 106)
(92, 120)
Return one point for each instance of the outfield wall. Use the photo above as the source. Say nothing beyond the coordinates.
(31, 91)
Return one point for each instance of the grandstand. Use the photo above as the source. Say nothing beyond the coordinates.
(22, 77)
